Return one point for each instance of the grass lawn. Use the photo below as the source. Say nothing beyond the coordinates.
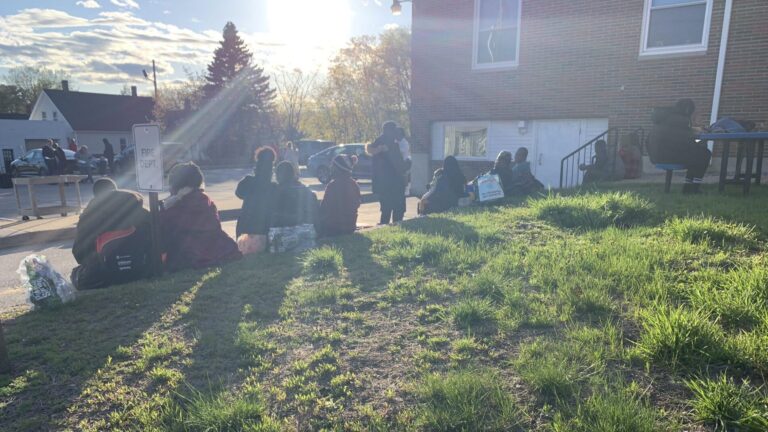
(602, 311)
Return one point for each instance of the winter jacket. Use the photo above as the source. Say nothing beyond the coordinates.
(388, 169)
(295, 204)
(671, 136)
(440, 197)
(338, 211)
(192, 236)
(258, 200)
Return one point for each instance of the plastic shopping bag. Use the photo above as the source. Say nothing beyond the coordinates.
(292, 239)
(45, 286)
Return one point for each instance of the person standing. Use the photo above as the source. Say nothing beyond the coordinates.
(109, 154)
(338, 210)
(61, 159)
(388, 172)
(72, 145)
(291, 155)
(84, 163)
(49, 157)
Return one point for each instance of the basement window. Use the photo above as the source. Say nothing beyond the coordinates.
(496, 34)
(675, 26)
(466, 141)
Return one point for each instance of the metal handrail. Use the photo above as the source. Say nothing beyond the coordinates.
(611, 136)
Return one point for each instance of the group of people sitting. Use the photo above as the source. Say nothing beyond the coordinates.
(112, 243)
(449, 185)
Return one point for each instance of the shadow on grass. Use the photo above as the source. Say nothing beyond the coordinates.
(54, 352)
(443, 227)
(364, 272)
(252, 291)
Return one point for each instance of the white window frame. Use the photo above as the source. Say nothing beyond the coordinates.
(45, 116)
(475, 35)
(467, 124)
(55, 116)
(677, 49)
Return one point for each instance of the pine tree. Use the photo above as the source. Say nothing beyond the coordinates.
(233, 80)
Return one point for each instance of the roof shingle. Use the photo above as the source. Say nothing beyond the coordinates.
(101, 112)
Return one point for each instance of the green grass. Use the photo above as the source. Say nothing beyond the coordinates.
(600, 310)
(465, 401)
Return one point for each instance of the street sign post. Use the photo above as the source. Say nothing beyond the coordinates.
(149, 178)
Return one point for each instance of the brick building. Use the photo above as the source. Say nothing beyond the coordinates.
(491, 75)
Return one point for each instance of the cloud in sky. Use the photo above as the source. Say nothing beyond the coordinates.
(128, 4)
(89, 4)
(114, 46)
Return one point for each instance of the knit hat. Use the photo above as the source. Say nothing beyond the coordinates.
(344, 163)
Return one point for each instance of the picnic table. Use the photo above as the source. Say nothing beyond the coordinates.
(750, 144)
(38, 211)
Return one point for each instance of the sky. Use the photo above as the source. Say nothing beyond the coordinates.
(104, 44)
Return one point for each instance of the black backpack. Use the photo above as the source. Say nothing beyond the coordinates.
(123, 255)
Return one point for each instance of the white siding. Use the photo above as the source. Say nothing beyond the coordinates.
(45, 105)
(502, 135)
(13, 133)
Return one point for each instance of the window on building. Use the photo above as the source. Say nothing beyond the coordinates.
(45, 116)
(55, 116)
(466, 141)
(497, 33)
(676, 26)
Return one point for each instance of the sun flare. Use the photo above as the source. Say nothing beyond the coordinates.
(306, 25)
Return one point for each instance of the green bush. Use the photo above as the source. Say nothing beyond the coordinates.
(728, 406)
(714, 231)
(465, 401)
(594, 211)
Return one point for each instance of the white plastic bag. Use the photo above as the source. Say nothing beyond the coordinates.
(45, 286)
(292, 239)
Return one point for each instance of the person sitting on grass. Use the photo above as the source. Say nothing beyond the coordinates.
(338, 211)
(295, 204)
(503, 168)
(447, 186)
(114, 224)
(521, 180)
(190, 225)
(602, 168)
(258, 193)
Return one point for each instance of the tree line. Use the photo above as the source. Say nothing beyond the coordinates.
(234, 106)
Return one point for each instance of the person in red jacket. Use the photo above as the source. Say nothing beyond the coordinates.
(338, 211)
(191, 230)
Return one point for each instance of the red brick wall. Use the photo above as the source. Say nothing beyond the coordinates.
(580, 59)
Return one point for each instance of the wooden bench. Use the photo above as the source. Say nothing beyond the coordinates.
(38, 211)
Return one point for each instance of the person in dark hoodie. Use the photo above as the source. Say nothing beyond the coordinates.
(49, 157)
(448, 185)
(672, 140)
(338, 211)
(112, 215)
(389, 172)
(109, 155)
(189, 223)
(295, 204)
(503, 168)
(61, 159)
(258, 194)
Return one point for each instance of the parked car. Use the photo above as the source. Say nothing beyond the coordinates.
(32, 164)
(320, 164)
(307, 148)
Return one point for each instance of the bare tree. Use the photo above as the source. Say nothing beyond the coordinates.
(31, 81)
(293, 92)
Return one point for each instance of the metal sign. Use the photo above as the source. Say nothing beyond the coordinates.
(149, 157)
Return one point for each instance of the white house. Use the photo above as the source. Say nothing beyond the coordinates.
(93, 117)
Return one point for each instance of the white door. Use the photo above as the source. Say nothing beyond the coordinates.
(557, 138)
(554, 140)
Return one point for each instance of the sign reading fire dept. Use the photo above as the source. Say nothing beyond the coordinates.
(149, 157)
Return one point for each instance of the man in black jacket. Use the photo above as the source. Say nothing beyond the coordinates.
(672, 140)
(388, 172)
(49, 157)
(111, 211)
